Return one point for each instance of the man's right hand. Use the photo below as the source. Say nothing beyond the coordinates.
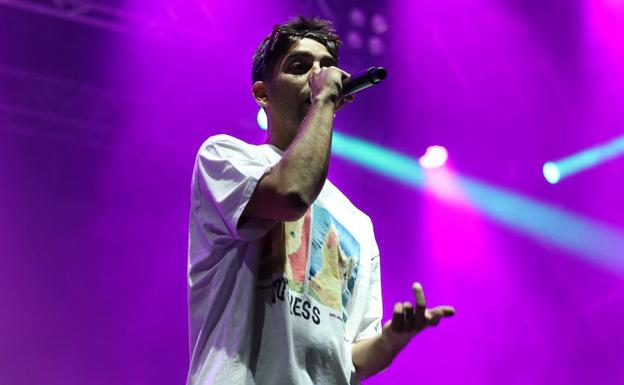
(326, 85)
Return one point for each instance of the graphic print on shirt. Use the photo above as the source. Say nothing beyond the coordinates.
(317, 249)
(297, 240)
(334, 260)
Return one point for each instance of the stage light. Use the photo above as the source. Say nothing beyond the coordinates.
(360, 35)
(434, 157)
(592, 240)
(376, 46)
(379, 159)
(262, 119)
(379, 24)
(596, 242)
(357, 17)
(354, 40)
(551, 172)
(554, 171)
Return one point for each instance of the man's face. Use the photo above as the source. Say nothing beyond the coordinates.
(289, 90)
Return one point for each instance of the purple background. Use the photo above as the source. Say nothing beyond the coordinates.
(102, 109)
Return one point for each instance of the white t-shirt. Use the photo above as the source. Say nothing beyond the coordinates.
(275, 302)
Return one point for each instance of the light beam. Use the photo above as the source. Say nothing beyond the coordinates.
(555, 171)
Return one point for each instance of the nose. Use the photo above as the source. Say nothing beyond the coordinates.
(316, 66)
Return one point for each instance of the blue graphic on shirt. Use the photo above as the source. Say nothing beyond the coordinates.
(334, 260)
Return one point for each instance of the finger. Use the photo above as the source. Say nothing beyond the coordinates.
(436, 314)
(397, 317)
(419, 295)
(344, 74)
(343, 101)
(433, 316)
(408, 316)
(443, 311)
(341, 104)
(429, 316)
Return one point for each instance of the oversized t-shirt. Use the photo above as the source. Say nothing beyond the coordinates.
(275, 302)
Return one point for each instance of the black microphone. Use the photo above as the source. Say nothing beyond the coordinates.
(362, 80)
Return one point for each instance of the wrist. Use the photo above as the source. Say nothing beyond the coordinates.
(390, 343)
(393, 342)
(327, 100)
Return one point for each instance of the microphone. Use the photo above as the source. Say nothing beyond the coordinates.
(362, 80)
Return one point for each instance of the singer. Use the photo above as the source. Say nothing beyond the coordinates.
(283, 270)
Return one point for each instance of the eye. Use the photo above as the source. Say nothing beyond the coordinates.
(298, 67)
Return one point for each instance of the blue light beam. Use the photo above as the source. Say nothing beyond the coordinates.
(555, 171)
(594, 241)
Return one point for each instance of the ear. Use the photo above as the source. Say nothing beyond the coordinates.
(259, 90)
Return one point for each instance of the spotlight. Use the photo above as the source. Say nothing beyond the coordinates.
(379, 24)
(600, 244)
(357, 17)
(376, 46)
(366, 29)
(554, 171)
(551, 172)
(354, 40)
(434, 157)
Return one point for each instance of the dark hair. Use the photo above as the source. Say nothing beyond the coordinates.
(276, 44)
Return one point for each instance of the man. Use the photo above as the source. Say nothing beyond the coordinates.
(284, 283)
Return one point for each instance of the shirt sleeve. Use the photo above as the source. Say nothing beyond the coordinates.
(371, 321)
(226, 174)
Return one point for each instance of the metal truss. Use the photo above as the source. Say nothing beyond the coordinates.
(36, 104)
(48, 107)
(39, 105)
(165, 27)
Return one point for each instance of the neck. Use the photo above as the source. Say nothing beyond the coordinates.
(280, 137)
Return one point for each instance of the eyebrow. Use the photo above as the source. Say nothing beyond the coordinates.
(305, 54)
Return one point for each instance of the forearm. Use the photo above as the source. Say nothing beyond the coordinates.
(292, 185)
(372, 355)
(303, 168)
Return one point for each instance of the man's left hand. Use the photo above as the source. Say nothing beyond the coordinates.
(407, 320)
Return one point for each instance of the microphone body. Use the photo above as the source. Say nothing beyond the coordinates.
(362, 80)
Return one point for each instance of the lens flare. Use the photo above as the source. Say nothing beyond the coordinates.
(262, 119)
